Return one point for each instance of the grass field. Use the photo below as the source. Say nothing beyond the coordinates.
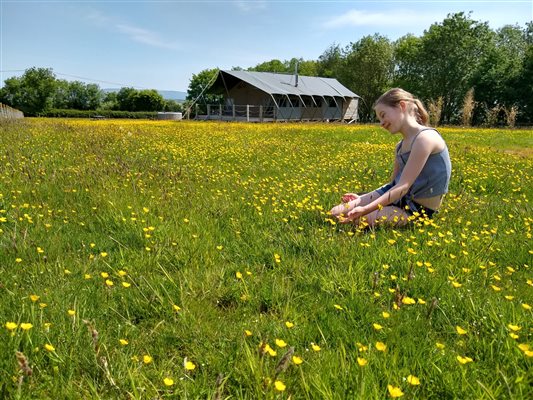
(197, 260)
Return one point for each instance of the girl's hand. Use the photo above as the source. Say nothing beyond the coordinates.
(349, 197)
(344, 208)
(353, 215)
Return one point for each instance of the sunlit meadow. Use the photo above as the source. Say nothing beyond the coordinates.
(197, 260)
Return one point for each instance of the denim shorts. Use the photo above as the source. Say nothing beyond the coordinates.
(408, 204)
(411, 207)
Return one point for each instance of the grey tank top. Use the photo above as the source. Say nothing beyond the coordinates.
(434, 178)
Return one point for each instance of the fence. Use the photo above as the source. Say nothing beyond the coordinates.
(7, 112)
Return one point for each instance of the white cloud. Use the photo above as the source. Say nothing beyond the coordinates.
(134, 33)
(392, 18)
(145, 36)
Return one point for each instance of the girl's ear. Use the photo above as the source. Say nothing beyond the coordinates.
(403, 105)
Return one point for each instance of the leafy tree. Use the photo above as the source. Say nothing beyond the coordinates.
(32, 93)
(306, 68)
(109, 101)
(197, 91)
(172, 105)
(407, 72)
(330, 63)
(367, 71)
(125, 99)
(77, 95)
(275, 66)
(450, 54)
(524, 85)
(147, 100)
(496, 78)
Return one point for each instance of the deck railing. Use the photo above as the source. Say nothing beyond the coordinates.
(254, 113)
(246, 112)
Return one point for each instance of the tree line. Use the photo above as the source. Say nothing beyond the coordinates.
(38, 92)
(465, 72)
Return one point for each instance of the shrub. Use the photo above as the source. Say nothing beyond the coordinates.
(67, 113)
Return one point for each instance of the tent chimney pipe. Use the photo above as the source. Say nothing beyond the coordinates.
(296, 73)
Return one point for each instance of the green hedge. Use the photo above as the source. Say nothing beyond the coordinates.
(67, 113)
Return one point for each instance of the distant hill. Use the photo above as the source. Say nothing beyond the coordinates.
(167, 94)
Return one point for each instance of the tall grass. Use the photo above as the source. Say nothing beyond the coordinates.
(197, 260)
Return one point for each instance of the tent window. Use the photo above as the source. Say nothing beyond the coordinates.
(295, 101)
(284, 102)
(333, 103)
(308, 101)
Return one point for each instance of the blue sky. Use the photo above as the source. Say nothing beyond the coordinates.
(161, 44)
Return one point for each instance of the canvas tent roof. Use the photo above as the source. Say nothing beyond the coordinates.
(283, 84)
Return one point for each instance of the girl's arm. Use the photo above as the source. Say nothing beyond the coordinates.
(395, 170)
(422, 149)
(346, 206)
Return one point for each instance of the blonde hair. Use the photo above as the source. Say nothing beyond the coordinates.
(393, 97)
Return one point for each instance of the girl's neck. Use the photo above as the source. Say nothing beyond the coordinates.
(410, 129)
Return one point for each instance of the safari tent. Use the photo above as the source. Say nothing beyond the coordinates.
(266, 96)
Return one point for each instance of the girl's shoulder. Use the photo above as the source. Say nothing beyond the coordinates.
(430, 137)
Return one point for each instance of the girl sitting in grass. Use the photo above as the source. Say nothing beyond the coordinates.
(422, 168)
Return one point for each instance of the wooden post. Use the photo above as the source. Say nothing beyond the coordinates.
(247, 112)
(261, 113)
(208, 110)
(220, 111)
(233, 111)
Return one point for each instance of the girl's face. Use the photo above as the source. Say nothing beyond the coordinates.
(391, 118)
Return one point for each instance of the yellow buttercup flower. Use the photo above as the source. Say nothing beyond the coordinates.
(523, 346)
(297, 360)
(281, 343)
(168, 381)
(460, 330)
(147, 359)
(11, 326)
(464, 360)
(49, 347)
(362, 361)
(413, 380)
(394, 391)
(279, 386)
(408, 300)
(26, 326)
(380, 346)
(315, 347)
(189, 365)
